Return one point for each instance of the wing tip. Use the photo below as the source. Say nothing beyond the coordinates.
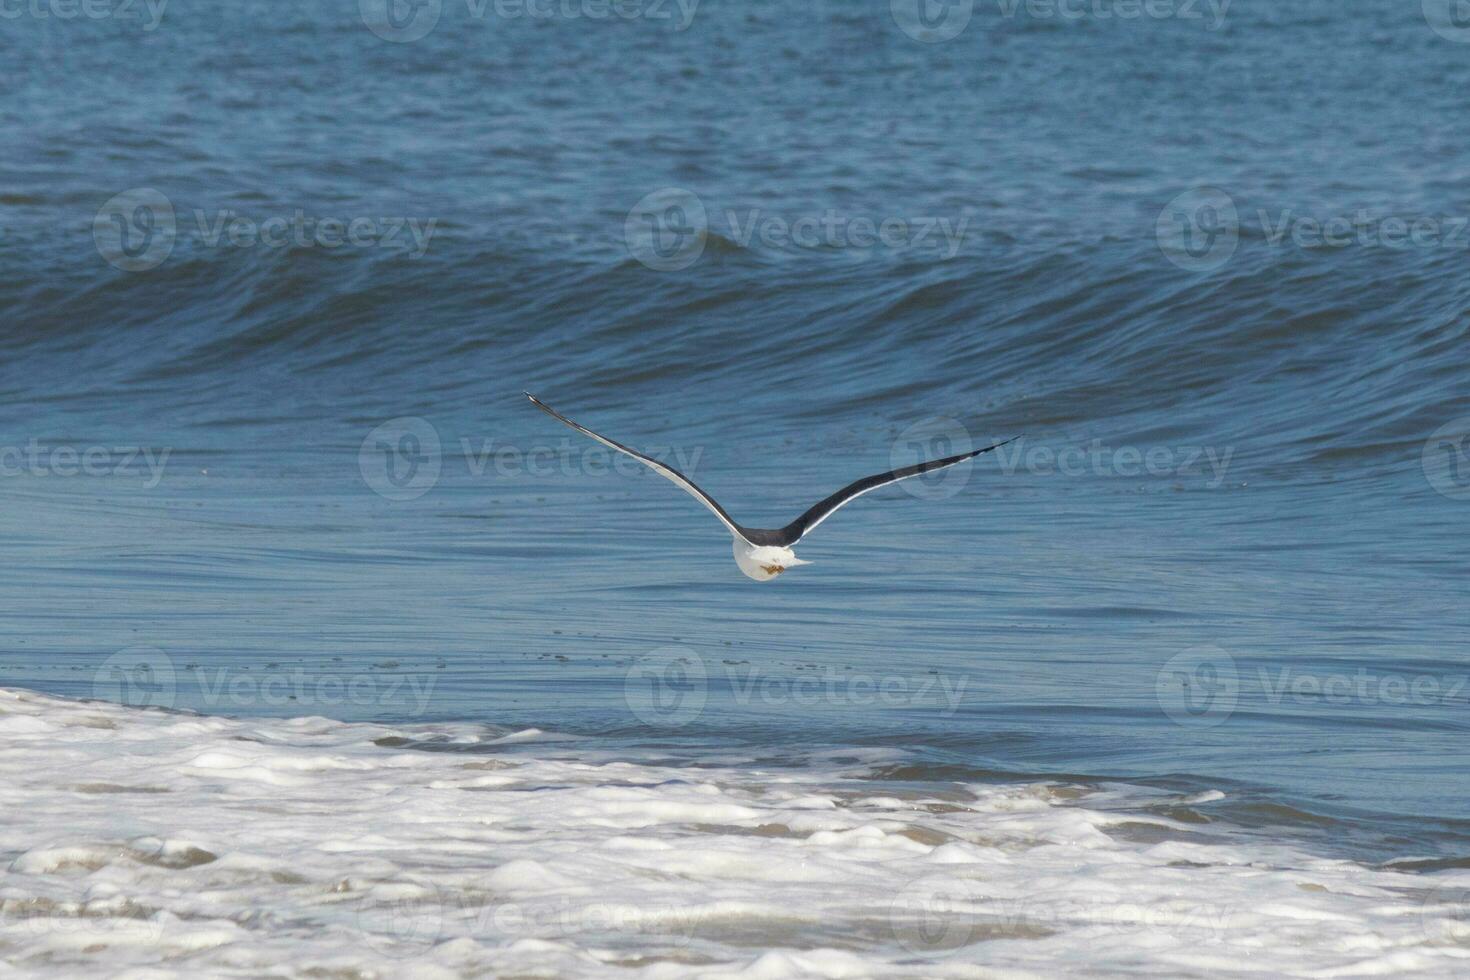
(549, 410)
(996, 446)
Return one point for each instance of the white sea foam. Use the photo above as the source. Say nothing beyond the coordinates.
(184, 846)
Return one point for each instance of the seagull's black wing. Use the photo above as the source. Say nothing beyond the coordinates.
(797, 529)
(667, 472)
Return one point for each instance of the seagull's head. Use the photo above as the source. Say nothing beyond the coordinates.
(764, 562)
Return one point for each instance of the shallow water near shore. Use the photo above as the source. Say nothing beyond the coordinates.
(454, 850)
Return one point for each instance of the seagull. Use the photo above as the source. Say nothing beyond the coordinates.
(761, 553)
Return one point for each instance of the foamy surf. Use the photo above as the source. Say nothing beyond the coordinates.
(182, 845)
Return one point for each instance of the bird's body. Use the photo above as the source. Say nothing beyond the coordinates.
(764, 553)
(763, 562)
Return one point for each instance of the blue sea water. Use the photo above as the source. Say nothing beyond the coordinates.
(273, 279)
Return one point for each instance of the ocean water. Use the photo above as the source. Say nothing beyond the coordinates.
(1175, 684)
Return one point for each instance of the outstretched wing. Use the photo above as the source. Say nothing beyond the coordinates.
(667, 472)
(803, 525)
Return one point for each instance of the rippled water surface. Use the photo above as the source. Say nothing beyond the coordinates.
(273, 279)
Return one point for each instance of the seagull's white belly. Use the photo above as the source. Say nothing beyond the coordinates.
(764, 562)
